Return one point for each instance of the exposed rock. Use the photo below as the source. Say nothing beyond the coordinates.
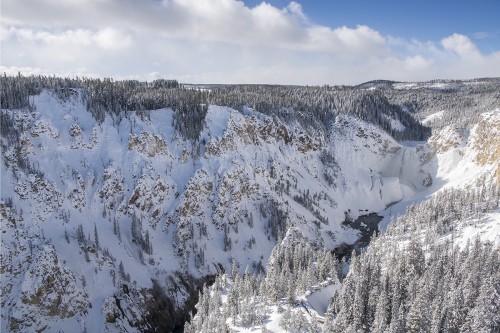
(107, 200)
(486, 140)
(42, 192)
(448, 138)
(149, 196)
(48, 290)
(76, 191)
(252, 131)
(75, 130)
(44, 127)
(148, 144)
(112, 188)
(26, 146)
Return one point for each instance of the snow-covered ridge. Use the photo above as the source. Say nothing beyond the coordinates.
(442, 84)
(447, 229)
(112, 206)
(432, 117)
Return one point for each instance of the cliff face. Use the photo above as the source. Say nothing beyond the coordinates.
(104, 226)
(486, 142)
(48, 291)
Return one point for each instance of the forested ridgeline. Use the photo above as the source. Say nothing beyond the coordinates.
(318, 106)
(250, 299)
(461, 101)
(449, 210)
(113, 97)
(311, 106)
(417, 278)
(447, 289)
(412, 278)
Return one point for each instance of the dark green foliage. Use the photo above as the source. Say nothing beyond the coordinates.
(314, 107)
(141, 240)
(16, 91)
(318, 106)
(294, 266)
(276, 224)
(311, 106)
(108, 97)
(8, 129)
(412, 279)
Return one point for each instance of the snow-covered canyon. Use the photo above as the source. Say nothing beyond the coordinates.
(113, 226)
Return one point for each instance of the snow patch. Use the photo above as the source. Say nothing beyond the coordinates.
(395, 123)
(429, 119)
(321, 299)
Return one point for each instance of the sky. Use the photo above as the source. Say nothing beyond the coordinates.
(313, 42)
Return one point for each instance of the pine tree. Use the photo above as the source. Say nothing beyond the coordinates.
(416, 319)
(286, 320)
(96, 238)
(227, 239)
(379, 324)
(121, 270)
(118, 233)
(80, 235)
(486, 314)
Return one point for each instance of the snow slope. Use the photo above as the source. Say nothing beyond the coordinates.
(452, 159)
(126, 201)
(457, 158)
(118, 206)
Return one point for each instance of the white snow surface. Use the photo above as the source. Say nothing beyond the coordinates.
(395, 123)
(186, 196)
(453, 164)
(430, 118)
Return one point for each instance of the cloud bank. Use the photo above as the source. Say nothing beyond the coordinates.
(219, 41)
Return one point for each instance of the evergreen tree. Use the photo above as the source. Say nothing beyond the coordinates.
(485, 317)
(96, 238)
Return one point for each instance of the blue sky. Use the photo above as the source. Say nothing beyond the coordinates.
(420, 19)
(230, 41)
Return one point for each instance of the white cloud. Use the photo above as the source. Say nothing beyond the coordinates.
(417, 63)
(78, 36)
(461, 45)
(295, 8)
(107, 38)
(220, 41)
(227, 21)
(112, 39)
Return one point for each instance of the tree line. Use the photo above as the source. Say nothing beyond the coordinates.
(415, 277)
(311, 106)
